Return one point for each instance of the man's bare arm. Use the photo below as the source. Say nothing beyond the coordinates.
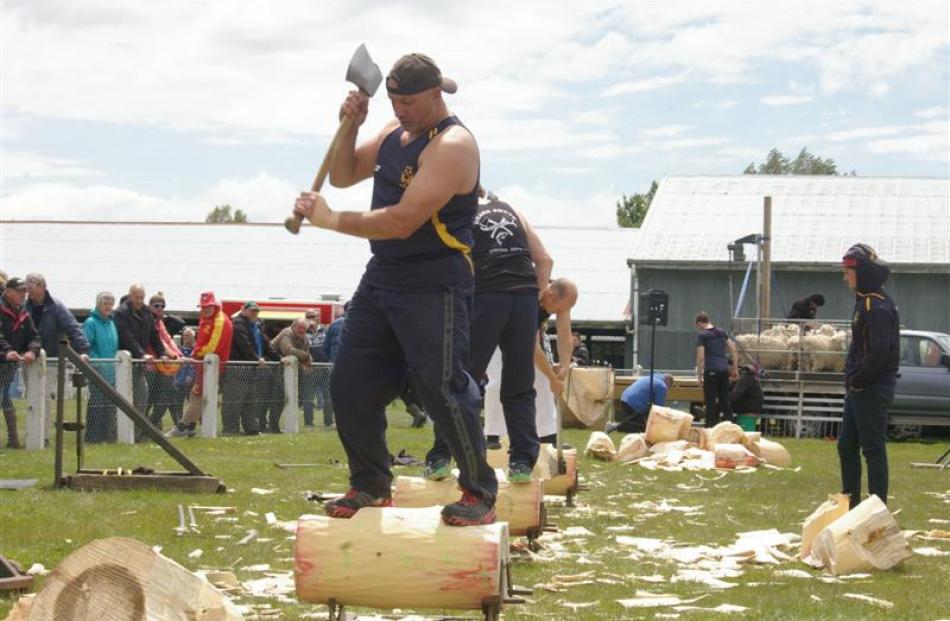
(352, 164)
(564, 345)
(542, 364)
(543, 263)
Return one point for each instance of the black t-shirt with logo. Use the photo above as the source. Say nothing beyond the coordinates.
(501, 255)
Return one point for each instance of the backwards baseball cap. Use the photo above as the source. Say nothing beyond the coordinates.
(414, 73)
(251, 305)
(16, 283)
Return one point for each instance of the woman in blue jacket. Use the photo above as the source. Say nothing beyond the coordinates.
(103, 340)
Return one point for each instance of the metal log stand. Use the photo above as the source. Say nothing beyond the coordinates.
(193, 480)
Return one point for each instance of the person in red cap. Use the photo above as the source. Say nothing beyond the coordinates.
(214, 337)
(870, 374)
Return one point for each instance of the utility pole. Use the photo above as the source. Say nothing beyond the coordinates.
(765, 266)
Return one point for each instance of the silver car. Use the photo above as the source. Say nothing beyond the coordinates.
(922, 396)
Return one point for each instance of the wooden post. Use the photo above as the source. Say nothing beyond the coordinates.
(120, 578)
(519, 504)
(291, 397)
(34, 378)
(209, 396)
(765, 288)
(124, 426)
(399, 558)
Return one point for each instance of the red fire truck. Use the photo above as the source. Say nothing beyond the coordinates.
(284, 311)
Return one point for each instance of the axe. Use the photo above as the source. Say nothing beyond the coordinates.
(367, 77)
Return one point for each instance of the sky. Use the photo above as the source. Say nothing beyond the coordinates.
(161, 110)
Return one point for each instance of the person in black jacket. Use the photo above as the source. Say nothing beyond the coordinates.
(807, 307)
(136, 328)
(746, 395)
(19, 343)
(244, 384)
(870, 374)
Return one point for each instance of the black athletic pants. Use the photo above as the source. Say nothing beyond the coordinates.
(716, 394)
(507, 321)
(386, 332)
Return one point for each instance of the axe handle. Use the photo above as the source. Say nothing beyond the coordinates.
(293, 223)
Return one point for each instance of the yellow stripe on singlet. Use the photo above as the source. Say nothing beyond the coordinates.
(451, 240)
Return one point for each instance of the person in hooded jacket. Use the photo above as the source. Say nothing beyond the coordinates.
(103, 338)
(870, 372)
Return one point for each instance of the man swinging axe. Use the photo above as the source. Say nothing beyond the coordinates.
(412, 307)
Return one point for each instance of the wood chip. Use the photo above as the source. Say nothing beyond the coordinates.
(880, 603)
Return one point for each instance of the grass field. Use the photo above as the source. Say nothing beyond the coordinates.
(44, 525)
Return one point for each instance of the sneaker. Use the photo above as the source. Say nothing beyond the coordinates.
(471, 510)
(181, 432)
(438, 470)
(519, 473)
(353, 501)
(492, 443)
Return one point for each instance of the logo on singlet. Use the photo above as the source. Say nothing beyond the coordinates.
(498, 230)
(406, 177)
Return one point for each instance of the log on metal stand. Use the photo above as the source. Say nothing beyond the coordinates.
(401, 558)
(545, 469)
(866, 538)
(118, 578)
(519, 504)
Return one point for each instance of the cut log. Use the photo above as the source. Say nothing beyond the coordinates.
(732, 455)
(752, 436)
(121, 579)
(519, 504)
(698, 436)
(771, 452)
(661, 448)
(561, 484)
(726, 433)
(865, 538)
(399, 558)
(588, 397)
(21, 609)
(666, 424)
(826, 513)
(633, 446)
(601, 447)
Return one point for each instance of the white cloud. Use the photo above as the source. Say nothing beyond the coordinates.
(666, 130)
(865, 132)
(542, 208)
(644, 85)
(723, 104)
(932, 113)
(263, 197)
(927, 141)
(23, 166)
(786, 100)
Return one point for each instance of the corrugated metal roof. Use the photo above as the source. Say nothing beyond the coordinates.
(79, 259)
(814, 219)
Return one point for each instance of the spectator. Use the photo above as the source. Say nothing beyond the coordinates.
(635, 402)
(99, 330)
(51, 318)
(272, 404)
(19, 342)
(136, 329)
(248, 345)
(746, 396)
(162, 395)
(807, 307)
(292, 341)
(334, 332)
(714, 368)
(580, 356)
(317, 336)
(185, 378)
(214, 337)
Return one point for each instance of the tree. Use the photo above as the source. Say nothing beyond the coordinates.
(631, 210)
(222, 215)
(805, 164)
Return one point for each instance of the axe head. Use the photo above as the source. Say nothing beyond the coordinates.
(363, 72)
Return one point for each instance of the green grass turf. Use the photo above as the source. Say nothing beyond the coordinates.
(44, 525)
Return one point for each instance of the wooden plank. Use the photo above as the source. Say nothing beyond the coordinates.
(185, 483)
